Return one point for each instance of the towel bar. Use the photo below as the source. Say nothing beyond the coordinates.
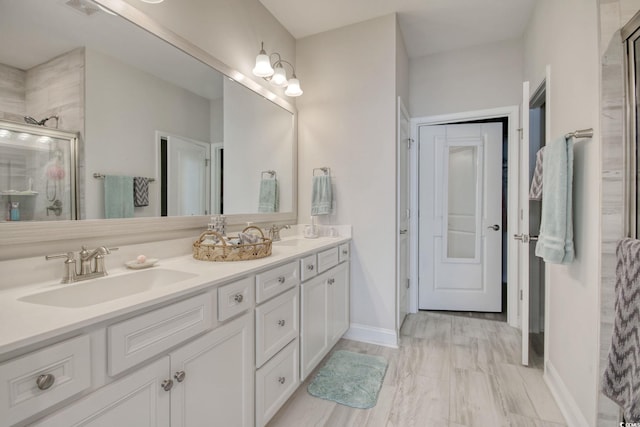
(271, 173)
(324, 169)
(580, 133)
(101, 176)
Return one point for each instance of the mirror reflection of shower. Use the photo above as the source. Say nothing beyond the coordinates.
(54, 175)
(30, 120)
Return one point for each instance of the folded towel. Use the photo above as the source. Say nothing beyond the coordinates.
(621, 377)
(248, 238)
(321, 195)
(118, 196)
(140, 191)
(555, 240)
(535, 192)
(269, 196)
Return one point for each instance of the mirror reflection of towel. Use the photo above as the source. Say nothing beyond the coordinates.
(140, 191)
(535, 192)
(118, 196)
(321, 195)
(269, 196)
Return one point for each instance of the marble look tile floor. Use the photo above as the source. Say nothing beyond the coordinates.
(450, 371)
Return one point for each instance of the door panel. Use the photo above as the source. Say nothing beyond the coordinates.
(523, 225)
(460, 191)
(187, 177)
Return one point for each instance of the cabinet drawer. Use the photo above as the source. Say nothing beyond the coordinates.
(343, 252)
(235, 298)
(66, 366)
(275, 383)
(308, 267)
(275, 281)
(137, 339)
(327, 259)
(276, 325)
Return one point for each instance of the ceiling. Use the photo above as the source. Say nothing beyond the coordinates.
(428, 26)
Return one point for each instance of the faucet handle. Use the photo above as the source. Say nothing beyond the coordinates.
(69, 256)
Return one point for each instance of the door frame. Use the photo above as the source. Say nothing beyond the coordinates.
(512, 113)
(402, 111)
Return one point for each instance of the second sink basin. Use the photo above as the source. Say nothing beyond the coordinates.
(96, 291)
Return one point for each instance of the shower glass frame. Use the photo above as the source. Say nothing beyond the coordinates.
(72, 139)
(631, 39)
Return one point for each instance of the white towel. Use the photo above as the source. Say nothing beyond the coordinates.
(555, 240)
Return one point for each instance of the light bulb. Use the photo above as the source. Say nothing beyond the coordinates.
(279, 78)
(294, 87)
(263, 66)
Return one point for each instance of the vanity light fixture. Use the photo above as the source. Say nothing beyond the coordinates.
(275, 73)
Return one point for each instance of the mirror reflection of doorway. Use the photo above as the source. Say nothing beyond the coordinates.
(185, 167)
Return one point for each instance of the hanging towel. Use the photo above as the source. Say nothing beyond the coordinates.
(118, 196)
(269, 196)
(555, 240)
(321, 195)
(621, 377)
(535, 192)
(140, 191)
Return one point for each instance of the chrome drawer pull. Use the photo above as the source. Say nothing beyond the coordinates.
(45, 381)
(281, 380)
(331, 281)
(310, 267)
(179, 376)
(281, 279)
(167, 385)
(281, 322)
(238, 298)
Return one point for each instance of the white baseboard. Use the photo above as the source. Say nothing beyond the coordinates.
(565, 401)
(372, 335)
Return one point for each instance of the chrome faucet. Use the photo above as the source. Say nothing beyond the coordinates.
(274, 232)
(87, 270)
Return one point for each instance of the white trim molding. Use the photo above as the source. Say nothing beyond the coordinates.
(372, 335)
(560, 392)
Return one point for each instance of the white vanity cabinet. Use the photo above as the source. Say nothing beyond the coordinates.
(324, 315)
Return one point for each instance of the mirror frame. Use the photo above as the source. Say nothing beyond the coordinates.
(15, 233)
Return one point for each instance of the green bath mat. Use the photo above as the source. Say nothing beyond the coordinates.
(351, 379)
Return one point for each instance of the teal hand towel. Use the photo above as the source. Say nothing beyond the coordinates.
(269, 196)
(321, 195)
(555, 240)
(118, 196)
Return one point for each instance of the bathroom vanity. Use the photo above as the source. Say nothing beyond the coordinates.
(201, 343)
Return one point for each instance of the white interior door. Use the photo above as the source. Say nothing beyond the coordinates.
(187, 177)
(523, 225)
(460, 208)
(404, 145)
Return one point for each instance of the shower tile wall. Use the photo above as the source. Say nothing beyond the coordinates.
(55, 87)
(614, 14)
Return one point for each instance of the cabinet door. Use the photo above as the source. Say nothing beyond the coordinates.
(338, 289)
(214, 377)
(133, 401)
(314, 324)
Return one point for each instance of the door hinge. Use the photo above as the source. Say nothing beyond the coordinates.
(521, 294)
(520, 131)
(409, 143)
(408, 213)
(408, 283)
(206, 162)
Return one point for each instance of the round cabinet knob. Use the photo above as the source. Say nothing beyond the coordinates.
(179, 376)
(45, 381)
(281, 279)
(310, 267)
(331, 281)
(238, 298)
(281, 380)
(167, 385)
(281, 322)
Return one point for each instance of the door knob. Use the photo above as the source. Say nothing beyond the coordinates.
(494, 227)
(524, 238)
(403, 231)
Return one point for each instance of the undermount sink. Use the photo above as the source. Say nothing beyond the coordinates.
(292, 242)
(96, 291)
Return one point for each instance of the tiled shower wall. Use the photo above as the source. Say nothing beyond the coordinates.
(614, 14)
(55, 87)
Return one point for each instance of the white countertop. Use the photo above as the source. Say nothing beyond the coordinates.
(24, 323)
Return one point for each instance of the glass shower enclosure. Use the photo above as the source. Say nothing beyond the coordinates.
(38, 180)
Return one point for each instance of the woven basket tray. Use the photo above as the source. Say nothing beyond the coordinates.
(226, 252)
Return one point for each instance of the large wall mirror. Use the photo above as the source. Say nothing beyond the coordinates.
(143, 108)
